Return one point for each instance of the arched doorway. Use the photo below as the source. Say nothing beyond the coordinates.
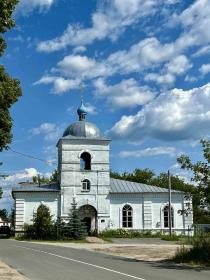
(89, 215)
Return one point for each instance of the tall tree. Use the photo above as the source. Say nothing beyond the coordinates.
(77, 228)
(9, 87)
(201, 175)
(4, 215)
(42, 223)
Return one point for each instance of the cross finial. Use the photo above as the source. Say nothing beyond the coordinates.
(81, 92)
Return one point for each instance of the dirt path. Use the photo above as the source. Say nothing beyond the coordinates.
(8, 273)
(146, 252)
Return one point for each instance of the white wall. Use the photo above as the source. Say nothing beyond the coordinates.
(27, 204)
(148, 211)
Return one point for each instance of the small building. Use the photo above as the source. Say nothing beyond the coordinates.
(103, 202)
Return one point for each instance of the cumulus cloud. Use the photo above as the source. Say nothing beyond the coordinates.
(110, 20)
(27, 6)
(173, 115)
(25, 174)
(60, 84)
(177, 66)
(12, 181)
(148, 152)
(81, 66)
(205, 69)
(51, 131)
(127, 93)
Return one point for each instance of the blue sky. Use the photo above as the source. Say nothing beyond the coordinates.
(144, 67)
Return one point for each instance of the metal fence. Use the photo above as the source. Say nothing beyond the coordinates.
(202, 228)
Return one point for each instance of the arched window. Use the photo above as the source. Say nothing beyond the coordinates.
(127, 216)
(86, 185)
(85, 161)
(166, 216)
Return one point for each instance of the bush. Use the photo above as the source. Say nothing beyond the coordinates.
(198, 254)
(169, 237)
(124, 233)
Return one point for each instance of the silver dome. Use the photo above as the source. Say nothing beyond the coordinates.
(82, 129)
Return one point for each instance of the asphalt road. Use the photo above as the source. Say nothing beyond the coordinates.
(48, 262)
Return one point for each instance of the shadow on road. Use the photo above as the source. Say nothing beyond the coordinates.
(162, 264)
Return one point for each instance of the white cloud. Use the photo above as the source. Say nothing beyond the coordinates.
(127, 93)
(25, 174)
(148, 152)
(173, 115)
(81, 66)
(202, 51)
(92, 110)
(79, 49)
(27, 6)
(177, 66)
(60, 84)
(205, 69)
(12, 181)
(110, 20)
(160, 78)
(51, 131)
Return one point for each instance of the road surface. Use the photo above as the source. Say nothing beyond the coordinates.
(48, 262)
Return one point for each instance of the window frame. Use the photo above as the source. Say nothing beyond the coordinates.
(86, 185)
(127, 216)
(166, 216)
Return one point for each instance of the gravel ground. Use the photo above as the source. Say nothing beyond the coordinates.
(153, 250)
(8, 273)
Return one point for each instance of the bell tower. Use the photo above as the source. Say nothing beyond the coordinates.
(83, 165)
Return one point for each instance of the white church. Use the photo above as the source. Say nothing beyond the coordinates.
(103, 202)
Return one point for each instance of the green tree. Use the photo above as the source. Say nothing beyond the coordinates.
(45, 180)
(54, 176)
(42, 223)
(76, 227)
(201, 177)
(201, 174)
(9, 87)
(143, 176)
(4, 215)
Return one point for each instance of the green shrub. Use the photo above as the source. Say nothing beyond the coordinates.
(169, 237)
(124, 233)
(198, 254)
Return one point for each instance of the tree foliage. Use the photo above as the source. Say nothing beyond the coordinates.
(42, 223)
(201, 174)
(76, 227)
(4, 215)
(45, 180)
(148, 176)
(9, 87)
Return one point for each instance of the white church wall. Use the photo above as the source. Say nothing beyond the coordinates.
(148, 211)
(117, 202)
(27, 204)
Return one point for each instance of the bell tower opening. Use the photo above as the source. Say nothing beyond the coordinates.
(85, 161)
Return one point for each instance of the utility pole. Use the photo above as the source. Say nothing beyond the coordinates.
(169, 203)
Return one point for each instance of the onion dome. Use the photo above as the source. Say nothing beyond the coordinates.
(82, 128)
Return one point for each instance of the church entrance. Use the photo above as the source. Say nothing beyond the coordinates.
(89, 216)
(87, 221)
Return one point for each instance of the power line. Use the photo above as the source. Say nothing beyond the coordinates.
(30, 156)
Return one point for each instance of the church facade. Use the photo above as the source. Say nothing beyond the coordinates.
(103, 202)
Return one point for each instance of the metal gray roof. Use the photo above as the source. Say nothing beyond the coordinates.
(82, 129)
(122, 186)
(37, 188)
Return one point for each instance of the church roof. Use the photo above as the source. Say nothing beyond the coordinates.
(82, 128)
(37, 188)
(122, 186)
